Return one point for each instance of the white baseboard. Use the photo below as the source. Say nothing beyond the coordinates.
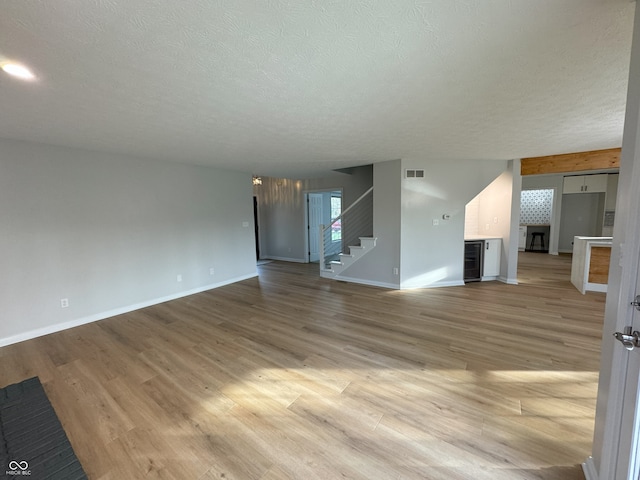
(39, 332)
(394, 286)
(285, 259)
(489, 278)
(509, 281)
(371, 283)
(589, 469)
(452, 283)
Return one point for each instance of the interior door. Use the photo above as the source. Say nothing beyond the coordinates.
(616, 439)
(626, 398)
(314, 215)
(627, 231)
(628, 465)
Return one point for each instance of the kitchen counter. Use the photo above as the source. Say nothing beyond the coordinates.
(480, 237)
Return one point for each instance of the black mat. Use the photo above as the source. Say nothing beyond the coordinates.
(32, 441)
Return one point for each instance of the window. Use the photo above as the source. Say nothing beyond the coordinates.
(336, 210)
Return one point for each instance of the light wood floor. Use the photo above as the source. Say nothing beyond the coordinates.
(292, 376)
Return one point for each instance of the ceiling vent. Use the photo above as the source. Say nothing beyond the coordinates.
(414, 173)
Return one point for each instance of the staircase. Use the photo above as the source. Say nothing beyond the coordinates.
(345, 260)
(352, 227)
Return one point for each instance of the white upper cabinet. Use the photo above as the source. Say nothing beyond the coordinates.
(573, 184)
(585, 184)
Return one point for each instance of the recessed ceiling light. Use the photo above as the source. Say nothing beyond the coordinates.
(18, 70)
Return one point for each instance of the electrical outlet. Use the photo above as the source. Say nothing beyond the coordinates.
(64, 302)
(495, 219)
(436, 222)
(245, 224)
(211, 271)
(395, 270)
(179, 278)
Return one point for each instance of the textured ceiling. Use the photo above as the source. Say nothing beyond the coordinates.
(296, 88)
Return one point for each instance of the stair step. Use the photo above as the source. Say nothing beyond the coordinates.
(345, 260)
(369, 241)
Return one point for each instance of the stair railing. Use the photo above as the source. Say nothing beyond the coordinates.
(355, 221)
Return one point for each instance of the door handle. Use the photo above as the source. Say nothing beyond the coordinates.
(628, 339)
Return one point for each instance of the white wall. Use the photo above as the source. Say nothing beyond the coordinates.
(512, 250)
(433, 255)
(494, 207)
(111, 234)
(471, 217)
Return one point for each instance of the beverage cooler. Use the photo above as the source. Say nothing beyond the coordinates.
(473, 260)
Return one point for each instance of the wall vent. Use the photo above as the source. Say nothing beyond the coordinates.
(413, 173)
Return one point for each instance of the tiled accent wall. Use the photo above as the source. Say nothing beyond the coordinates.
(535, 207)
(471, 217)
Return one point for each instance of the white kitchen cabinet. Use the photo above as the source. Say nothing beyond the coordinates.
(492, 253)
(573, 184)
(522, 238)
(595, 183)
(585, 184)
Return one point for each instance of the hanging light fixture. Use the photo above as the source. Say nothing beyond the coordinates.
(257, 180)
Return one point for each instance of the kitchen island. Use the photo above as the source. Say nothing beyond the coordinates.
(590, 263)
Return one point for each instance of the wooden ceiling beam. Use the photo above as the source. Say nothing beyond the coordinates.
(571, 162)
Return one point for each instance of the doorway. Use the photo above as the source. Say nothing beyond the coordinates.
(322, 207)
(536, 220)
(314, 216)
(256, 228)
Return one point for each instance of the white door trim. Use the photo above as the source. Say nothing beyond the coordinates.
(306, 213)
(589, 469)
